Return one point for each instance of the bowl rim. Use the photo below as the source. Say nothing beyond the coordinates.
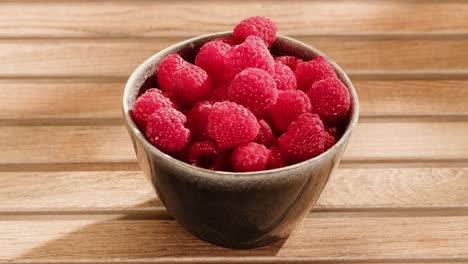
(140, 70)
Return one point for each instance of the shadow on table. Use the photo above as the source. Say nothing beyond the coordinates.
(133, 236)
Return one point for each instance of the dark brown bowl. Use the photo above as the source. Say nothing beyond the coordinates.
(236, 210)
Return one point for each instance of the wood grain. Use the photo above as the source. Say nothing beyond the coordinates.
(120, 57)
(75, 191)
(371, 141)
(415, 97)
(176, 18)
(60, 99)
(348, 189)
(329, 237)
(61, 144)
(408, 141)
(66, 99)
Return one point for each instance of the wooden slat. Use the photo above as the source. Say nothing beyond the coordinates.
(120, 57)
(84, 99)
(75, 144)
(372, 141)
(97, 18)
(396, 188)
(325, 238)
(397, 141)
(76, 57)
(60, 99)
(120, 190)
(419, 97)
(75, 191)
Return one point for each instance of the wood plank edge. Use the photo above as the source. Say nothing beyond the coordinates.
(457, 74)
(160, 213)
(240, 260)
(460, 74)
(358, 75)
(118, 120)
(112, 121)
(134, 166)
(175, 36)
(88, 166)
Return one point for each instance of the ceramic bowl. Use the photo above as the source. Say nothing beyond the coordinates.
(236, 210)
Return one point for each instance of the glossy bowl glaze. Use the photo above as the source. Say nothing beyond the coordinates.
(236, 210)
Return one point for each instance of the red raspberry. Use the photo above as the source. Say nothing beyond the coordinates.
(206, 154)
(198, 118)
(265, 135)
(289, 61)
(252, 53)
(303, 139)
(329, 140)
(254, 89)
(220, 93)
(289, 106)
(250, 157)
(332, 131)
(211, 59)
(330, 100)
(191, 85)
(284, 77)
(166, 131)
(230, 124)
(147, 104)
(307, 73)
(277, 159)
(166, 70)
(231, 41)
(256, 26)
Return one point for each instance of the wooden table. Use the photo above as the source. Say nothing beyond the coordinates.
(71, 190)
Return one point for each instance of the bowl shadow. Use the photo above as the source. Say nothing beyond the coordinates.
(133, 236)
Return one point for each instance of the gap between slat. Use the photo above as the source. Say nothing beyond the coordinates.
(160, 213)
(371, 75)
(132, 166)
(246, 260)
(366, 118)
(338, 36)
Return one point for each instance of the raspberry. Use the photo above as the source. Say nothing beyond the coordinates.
(211, 59)
(252, 53)
(307, 73)
(220, 93)
(206, 154)
(284, 77)
(330, 100)
(147, 104)
(289, 106)
(166, 131)
(166, 70)
(289, 61)
(303, 139)
(277, 159)
(230, 124)
(231, 41)
(255, 89)
(329, 140)
(191, 85)
(265, 135)
(256, 26)
(198, 118)
(250, 157)
(332, 131)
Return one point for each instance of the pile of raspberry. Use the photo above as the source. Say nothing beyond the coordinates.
(238, 108)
